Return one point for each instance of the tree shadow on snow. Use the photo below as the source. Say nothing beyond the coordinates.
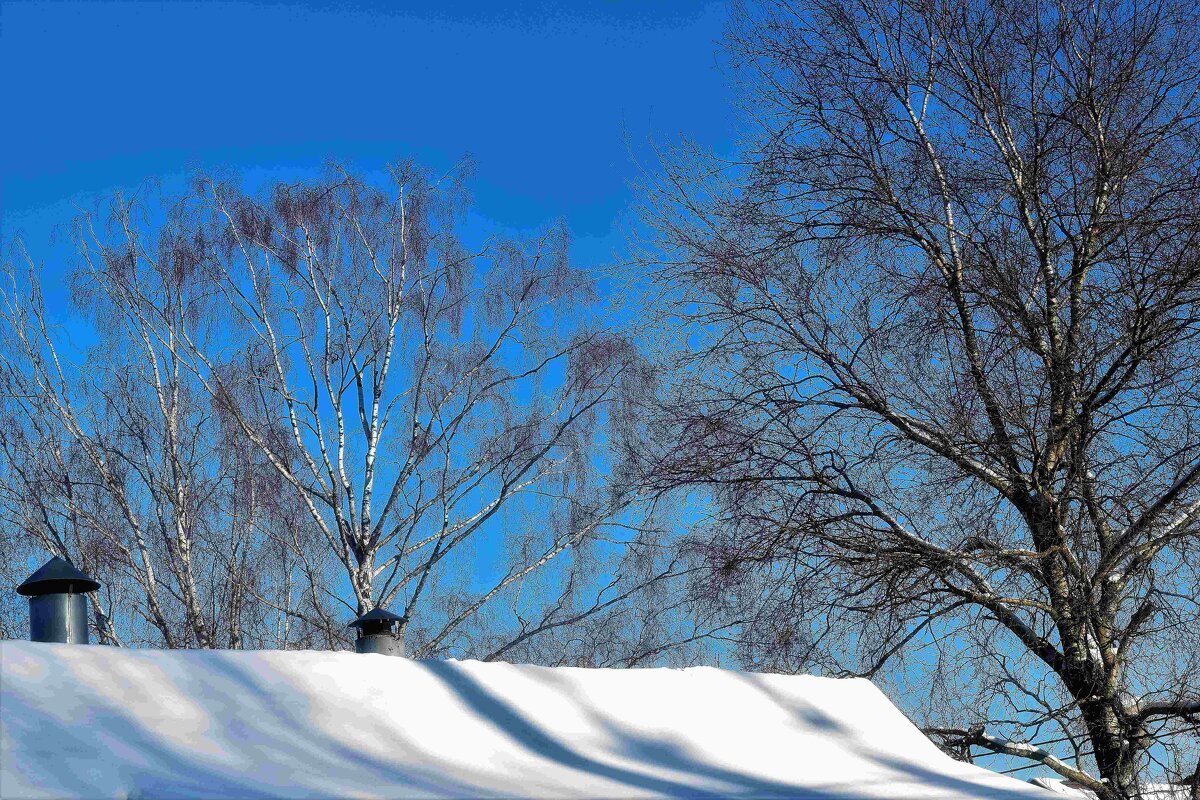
(815, 717)
(657, 754)
(241, 707)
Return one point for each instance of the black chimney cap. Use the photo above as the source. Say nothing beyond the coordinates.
(378, 615)
(56, 577)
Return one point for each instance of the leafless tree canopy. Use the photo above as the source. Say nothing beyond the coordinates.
(939, 377)
(947, 301)
(306, 402)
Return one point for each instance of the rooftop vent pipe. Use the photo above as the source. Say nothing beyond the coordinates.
(376, 634)
(57, 603)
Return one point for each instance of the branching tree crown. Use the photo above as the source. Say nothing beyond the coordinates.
(311, 400)
(948, 306)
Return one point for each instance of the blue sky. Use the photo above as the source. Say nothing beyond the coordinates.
(549, 99)
(553, 102)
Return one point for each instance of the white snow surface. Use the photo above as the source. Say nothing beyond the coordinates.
(92, 721)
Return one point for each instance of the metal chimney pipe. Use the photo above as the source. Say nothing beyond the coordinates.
(376, 635)
(58, 603)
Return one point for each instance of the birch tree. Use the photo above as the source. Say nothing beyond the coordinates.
(318, 398)
(946, 303)
(416, 397)
(109, 454)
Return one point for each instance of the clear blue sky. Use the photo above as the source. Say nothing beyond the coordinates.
(546, 97)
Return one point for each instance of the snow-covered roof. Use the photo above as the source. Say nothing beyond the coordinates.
(92, 721)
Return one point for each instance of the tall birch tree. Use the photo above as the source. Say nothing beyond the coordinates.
(946, 388)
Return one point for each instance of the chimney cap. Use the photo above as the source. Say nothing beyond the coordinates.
(57, 576)
(377, 615)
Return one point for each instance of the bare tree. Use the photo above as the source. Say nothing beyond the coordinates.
(322, 401)
(947, 301)
(109, 457)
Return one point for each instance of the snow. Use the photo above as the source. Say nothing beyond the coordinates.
(92, 721)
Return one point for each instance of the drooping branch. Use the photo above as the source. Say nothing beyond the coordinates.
(977, 736)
